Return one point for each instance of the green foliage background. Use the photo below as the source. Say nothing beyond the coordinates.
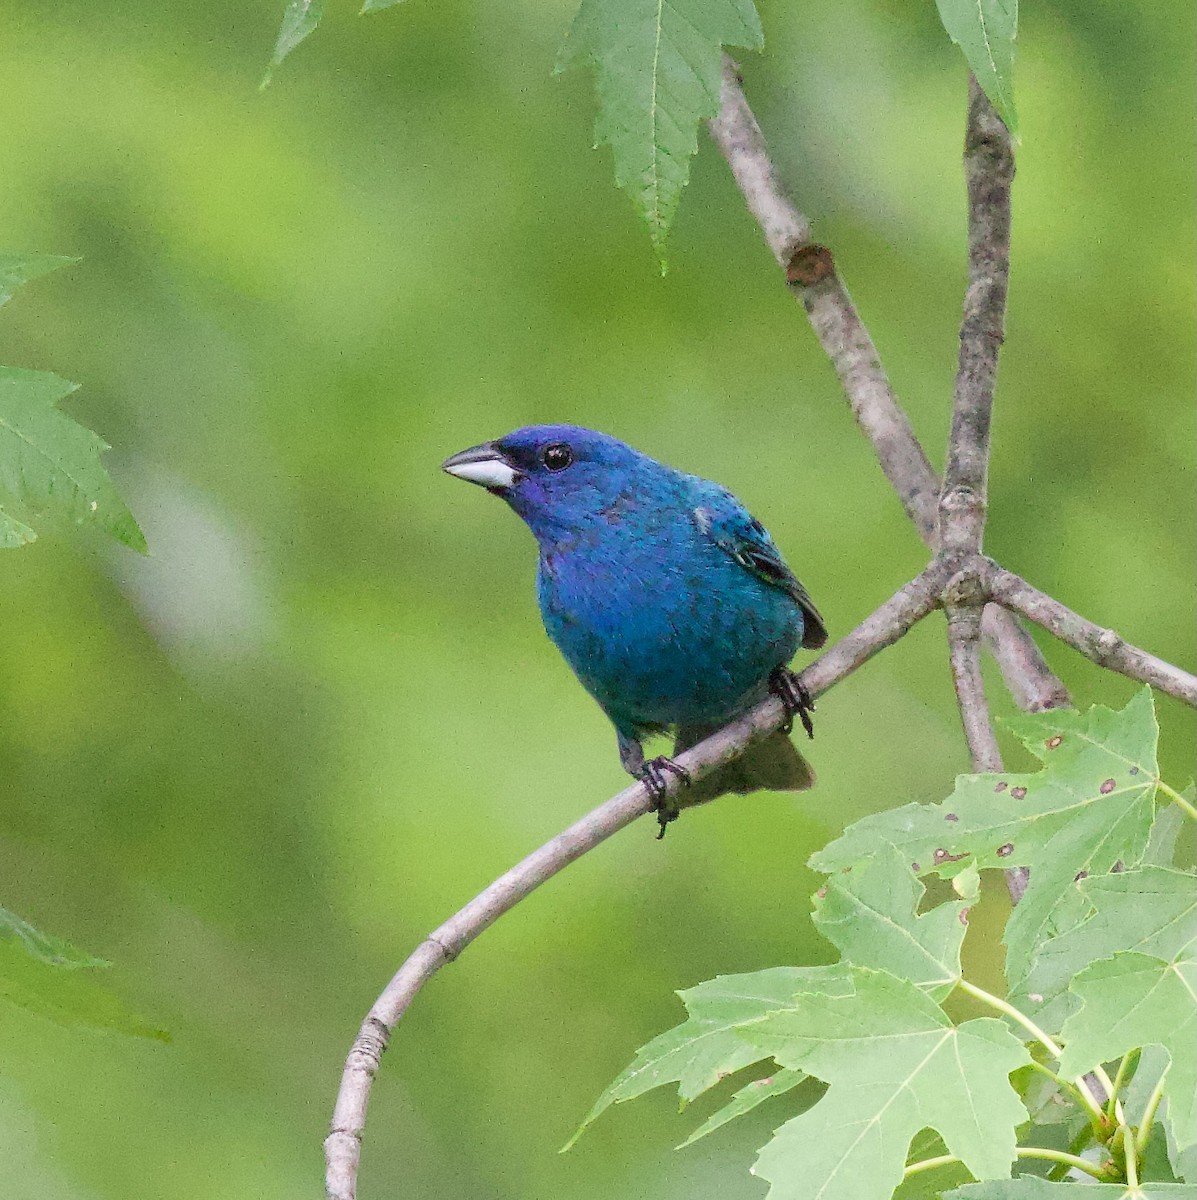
(254, 769)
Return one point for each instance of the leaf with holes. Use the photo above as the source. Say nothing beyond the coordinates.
(985, 31)
(895, 1065)
(697, 1054)
(658, 67)
(1135, 1000)
(871, 914)
(1151, 910)
(1089, 808)
(50, 463)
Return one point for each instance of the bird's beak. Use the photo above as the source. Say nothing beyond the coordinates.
(483, 465)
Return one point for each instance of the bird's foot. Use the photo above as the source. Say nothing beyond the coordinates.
(653, 777)
(796, 700)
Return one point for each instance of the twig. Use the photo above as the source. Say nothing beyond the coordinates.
(988, 172)
(964, 646)
(811, 273)
(1105, 647)
(964, 498)
(342, 1148)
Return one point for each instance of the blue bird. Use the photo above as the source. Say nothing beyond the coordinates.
(668, 599)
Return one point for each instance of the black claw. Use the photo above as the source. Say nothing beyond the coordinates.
(653, 778)
(796, 700)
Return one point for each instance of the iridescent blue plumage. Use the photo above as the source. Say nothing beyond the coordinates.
(670, 602)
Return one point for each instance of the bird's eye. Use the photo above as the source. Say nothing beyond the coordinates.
(557, 457)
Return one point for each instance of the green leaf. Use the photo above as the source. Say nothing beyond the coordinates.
(871, 914)
(746, 1099)
(371, 6)
(1135, 1000)
(1153, 1062)
(51, 462)
(700, 1052)
(895, 1065)
(985, 31)
(300, 18)
(1088, 808)
(1032, 1187)
(658, 67)
(70, 997)
(17, 269)
(1152, 910)
(14, 533)
(1165, 832)
(51, 950)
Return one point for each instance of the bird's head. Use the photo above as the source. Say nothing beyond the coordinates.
(559, 478)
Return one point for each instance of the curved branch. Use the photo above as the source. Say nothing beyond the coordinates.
(342, 1148)
(1104, 646)
(812, 276)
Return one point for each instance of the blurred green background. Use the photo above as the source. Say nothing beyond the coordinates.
(257, 767)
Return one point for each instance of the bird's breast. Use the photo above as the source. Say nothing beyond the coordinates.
(664, 630)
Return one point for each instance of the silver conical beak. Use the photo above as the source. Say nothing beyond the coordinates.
(483, 465)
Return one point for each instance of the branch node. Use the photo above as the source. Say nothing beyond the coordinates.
(1105, 643)
(809, 264)
(450, 950)
(966, 591)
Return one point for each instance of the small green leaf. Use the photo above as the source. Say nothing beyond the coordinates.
(658, 66)
(1132, 1001)
(1165, 832)
(1153, 1062)
(14, 533)
(51, 463)
(895, 1065)
(700, 1052)
(300, 18)
(1152, 910)
(70, 997)
(871, 914)
(985, 30)
(746, 1099)
(16, 269)
(51, 950)
(1032, 1187)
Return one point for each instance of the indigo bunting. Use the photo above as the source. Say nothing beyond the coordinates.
(667, 598)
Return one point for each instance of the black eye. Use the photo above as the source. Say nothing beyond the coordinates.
(557, 457)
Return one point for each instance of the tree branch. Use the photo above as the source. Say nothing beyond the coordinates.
(988, 172)
(812, 276)
(342, 1148)
(1104, 646)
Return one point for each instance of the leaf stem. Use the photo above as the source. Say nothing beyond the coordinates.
(1132, 1163)
(1085, 1096)
(1178, 799)
(929, 1164)
(1119, 1079)
(1068, 1086)
(1153, 1102)
(1082, 1139)
(1058, 1156)
(1062, 1156)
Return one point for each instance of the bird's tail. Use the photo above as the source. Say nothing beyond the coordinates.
(772, 765)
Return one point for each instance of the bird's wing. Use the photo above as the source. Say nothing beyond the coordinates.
(734, 529)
